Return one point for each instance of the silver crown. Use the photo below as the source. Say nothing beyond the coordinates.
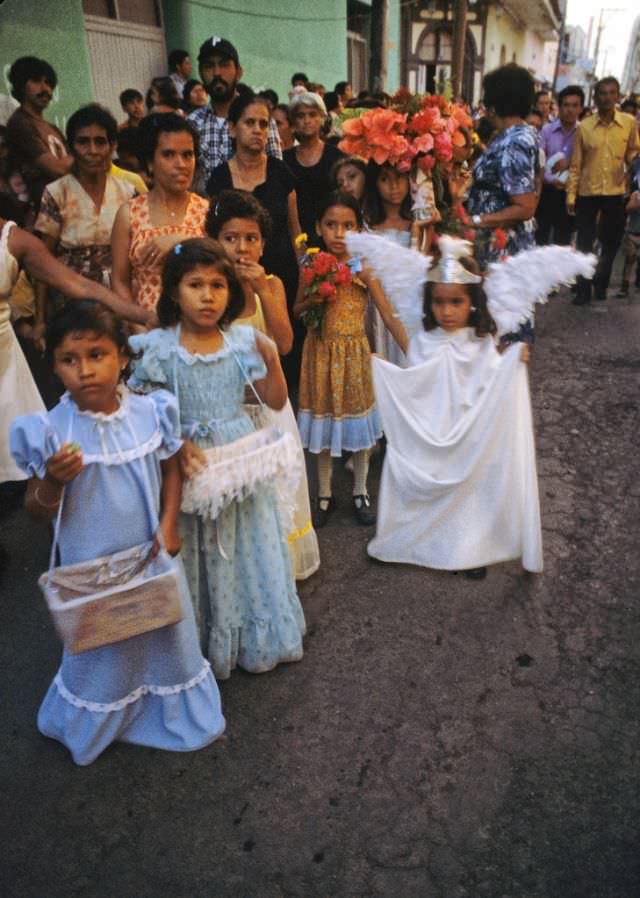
(449, 270)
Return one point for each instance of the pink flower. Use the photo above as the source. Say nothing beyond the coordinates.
(469, 234)
(426, 163)
(443, 147)
(424, 143)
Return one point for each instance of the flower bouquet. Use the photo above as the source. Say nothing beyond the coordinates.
(321, 275)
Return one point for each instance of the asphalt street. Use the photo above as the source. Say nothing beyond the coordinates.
(440, 738)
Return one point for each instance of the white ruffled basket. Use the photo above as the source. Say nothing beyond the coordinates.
(266, 457)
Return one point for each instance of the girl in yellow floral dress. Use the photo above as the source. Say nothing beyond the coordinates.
(337, 410)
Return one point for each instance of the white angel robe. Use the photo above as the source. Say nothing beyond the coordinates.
(459, 486)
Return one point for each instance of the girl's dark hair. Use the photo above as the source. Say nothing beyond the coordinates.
(372, 201)
(508, 90)
(183, 259)
(480, 319)
(93, 114)
(242, 102)
(339, 198)
(159, 123)
(236, 204)
(186, 90)
(87, 315)
(167, 91)
(356, 161)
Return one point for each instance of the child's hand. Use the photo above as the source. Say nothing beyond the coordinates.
(65, 464)
(192, 460)
(253, 273)
(171, 537)
(525, 353)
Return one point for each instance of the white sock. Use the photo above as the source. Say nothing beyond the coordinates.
(360, 472)
(325, 470)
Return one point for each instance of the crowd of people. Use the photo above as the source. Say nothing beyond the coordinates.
(167, 283)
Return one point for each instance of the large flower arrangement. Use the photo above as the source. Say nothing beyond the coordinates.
(420, 130)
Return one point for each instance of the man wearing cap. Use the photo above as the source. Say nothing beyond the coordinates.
(220, 71)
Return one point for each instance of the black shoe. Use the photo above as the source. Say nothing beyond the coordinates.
(475, 573)
(600, 295)
(324, 506)
(362, 509)
(581, 300)
(623, 292)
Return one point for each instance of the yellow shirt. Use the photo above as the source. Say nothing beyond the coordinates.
(600, 152)
(130, 176)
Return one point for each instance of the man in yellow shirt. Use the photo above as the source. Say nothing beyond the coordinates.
(606, 144)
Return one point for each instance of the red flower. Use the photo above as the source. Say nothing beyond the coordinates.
(469, 234)
(323, 263)
(500, 238)
(326, 290)
(307, 276)
(342, 276)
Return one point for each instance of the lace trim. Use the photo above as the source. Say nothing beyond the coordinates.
(120, 412)
(164, 348)
(267, 457)
(126, 455)
(105, 708)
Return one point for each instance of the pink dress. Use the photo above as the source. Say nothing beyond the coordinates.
(147, 279)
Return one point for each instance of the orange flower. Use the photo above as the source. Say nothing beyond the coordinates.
(429, 121)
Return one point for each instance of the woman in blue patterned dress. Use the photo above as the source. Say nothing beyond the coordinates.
(237, 564)
(503, 193)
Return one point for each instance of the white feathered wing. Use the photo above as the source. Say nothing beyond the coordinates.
(401, 271)
(514, 286)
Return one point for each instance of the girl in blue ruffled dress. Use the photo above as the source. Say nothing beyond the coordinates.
(235, 550)
(110, 457)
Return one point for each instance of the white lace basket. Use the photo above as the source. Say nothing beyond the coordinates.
(265, 457)
(112, 598)
(108, 599)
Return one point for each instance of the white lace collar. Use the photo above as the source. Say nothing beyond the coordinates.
(120, 412)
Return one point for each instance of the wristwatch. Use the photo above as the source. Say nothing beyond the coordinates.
(476, 220)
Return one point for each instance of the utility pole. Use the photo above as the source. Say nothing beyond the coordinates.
(379, 26)
(459, 39)
(597, 48)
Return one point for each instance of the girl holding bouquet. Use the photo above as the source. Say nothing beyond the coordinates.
(337, 409)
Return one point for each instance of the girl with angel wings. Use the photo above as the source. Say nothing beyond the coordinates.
(459, 488)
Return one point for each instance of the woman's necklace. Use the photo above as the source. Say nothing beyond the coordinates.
(176, 213)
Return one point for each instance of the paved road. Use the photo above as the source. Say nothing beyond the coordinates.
(440, 739)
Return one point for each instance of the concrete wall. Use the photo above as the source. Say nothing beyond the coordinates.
(274, 38)
(29, 28)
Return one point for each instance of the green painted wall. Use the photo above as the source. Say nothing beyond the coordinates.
(53, 31)
(274, 38)
(393, 46)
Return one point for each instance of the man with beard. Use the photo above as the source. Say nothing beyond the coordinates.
(220, 71)
(36, 147)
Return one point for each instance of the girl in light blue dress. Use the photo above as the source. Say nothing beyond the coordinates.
(236, 557)
(109, 456)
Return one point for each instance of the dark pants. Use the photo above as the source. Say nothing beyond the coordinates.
(554, 222)
(604, 217)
